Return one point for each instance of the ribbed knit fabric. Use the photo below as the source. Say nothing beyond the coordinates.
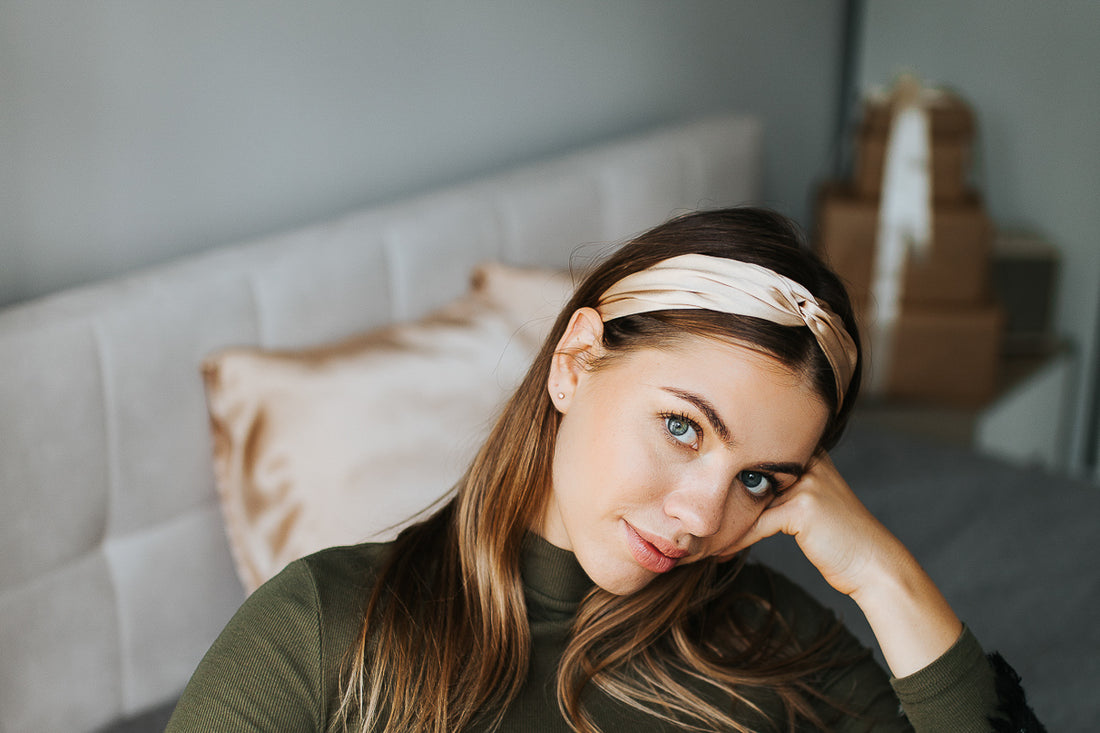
(276, 665)
(954, 687)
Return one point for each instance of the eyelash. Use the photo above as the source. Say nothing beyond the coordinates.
(666, 416)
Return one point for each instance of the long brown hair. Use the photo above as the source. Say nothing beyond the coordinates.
(445, 639)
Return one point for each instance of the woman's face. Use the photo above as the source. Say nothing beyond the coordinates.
(667, 456)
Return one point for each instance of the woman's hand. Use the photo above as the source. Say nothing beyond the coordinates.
(832, 527)
(859, 557)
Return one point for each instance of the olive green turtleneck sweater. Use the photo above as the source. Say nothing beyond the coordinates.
(276, 666)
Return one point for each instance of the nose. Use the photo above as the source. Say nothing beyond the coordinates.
(698, 502)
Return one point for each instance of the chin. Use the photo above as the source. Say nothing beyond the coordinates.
(620, 581)
(624, 589)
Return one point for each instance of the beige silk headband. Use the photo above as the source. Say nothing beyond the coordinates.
(696, 281)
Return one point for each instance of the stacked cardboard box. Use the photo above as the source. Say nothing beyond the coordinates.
(945, 345)
(951, 125)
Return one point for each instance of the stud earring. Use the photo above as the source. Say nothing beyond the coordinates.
(561, 395)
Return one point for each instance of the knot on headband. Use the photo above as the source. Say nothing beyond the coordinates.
(696, 281)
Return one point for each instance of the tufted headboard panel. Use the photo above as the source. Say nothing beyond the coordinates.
(114, 569)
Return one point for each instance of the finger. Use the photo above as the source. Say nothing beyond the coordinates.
(821, 467)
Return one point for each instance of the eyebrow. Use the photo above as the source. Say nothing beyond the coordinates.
(711, 414)
(794, 469)
(705, 407)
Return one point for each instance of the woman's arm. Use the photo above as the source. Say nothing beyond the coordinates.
(953, 693)
(263, 671)
(859, 557)
(941, 675)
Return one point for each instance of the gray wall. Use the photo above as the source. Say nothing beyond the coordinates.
(136, 131)
(1029, 70)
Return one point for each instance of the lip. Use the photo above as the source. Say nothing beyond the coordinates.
(652, 552)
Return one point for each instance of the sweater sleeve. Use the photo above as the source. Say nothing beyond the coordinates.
(263, 672)
(956, 692)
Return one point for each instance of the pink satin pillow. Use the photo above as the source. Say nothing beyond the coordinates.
(344, 443)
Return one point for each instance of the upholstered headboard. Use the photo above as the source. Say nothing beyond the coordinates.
(114, 569)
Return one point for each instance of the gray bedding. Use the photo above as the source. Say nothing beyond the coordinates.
(1014, 550)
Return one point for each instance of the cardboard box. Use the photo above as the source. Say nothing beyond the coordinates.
(948, 115)
(950, 167)
(945, 356)
(955, 271)
(951, 124)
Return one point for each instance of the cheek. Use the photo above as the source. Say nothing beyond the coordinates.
(739, 520)
(605, 441)
(608, 468)
(584, 463)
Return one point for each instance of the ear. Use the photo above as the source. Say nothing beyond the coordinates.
(582, 339)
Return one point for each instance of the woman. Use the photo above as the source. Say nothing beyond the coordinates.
(589, 572)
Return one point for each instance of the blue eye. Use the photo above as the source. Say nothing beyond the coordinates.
(682, 429)
(757, 484)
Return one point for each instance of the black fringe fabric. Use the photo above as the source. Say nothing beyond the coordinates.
(1016, 715)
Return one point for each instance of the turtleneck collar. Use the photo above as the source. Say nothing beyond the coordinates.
(553, 581)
